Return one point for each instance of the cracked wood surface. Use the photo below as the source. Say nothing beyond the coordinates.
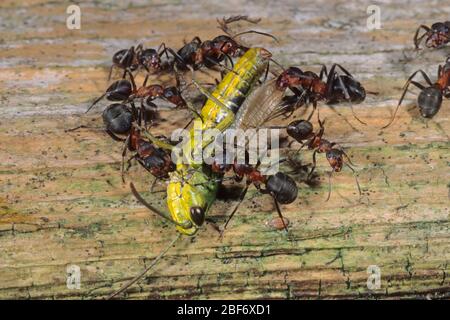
(62, 201)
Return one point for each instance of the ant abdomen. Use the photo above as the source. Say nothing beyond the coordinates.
(283, 188)
(300, 129)
(124, 59)
(119, 90)
(429, 101)
(117, 118)
(355, 90)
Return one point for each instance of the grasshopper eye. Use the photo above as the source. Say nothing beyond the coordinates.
(197, 215)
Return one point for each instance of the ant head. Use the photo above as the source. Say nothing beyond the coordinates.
(429, 101)
(173, 95)
(227, 45)
(197, 214)
(335, 159)
(439, 35)
(119, 90)
(441, 27)
(220, 167)
(117, 118)
(300, 129)
(324, 146)
(282, 187)
(290, 77)
(150, 59)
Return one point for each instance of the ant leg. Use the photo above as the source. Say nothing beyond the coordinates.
(139, 47)
(405, 89)
(197, 39)
(124, 152)
(331, 76)
(77, 128)
(221, 66)
(164, 51)
(206, 93)
(129, 54)
(241, 198)
(95, 102)
(145, 80)
(158, 142)
(347, 96)
(418, 40)
(323, 72)
(110, 72)
(124, 73)
(277, 205)
(356, 179)
(194, 111)
(114, 137)
(329, 184)
(187, 125)
(229, 60)
(425, 76)
(266, 73)
(176, 56)
(347, 157)
(133, 83)
(153, 185)
(342, 69)
(313, 166)
(313, 110)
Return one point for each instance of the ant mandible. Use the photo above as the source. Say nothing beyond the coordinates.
(430, 98)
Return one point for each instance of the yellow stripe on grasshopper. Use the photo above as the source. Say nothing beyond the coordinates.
(219, 110)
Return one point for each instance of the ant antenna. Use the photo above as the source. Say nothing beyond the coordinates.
(257, 32)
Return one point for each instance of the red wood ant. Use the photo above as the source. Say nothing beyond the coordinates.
(436, 36)
(119, 119)
(430, 98)
(210, 53)
(280, 186)
(133, 58)
(337, 87)
(302, 131)
(125, 91)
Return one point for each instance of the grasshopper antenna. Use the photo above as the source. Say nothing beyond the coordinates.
(140, 275)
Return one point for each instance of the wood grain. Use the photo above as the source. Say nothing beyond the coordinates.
(62, 201)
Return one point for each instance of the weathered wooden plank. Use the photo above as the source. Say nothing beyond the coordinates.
(62, 201)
